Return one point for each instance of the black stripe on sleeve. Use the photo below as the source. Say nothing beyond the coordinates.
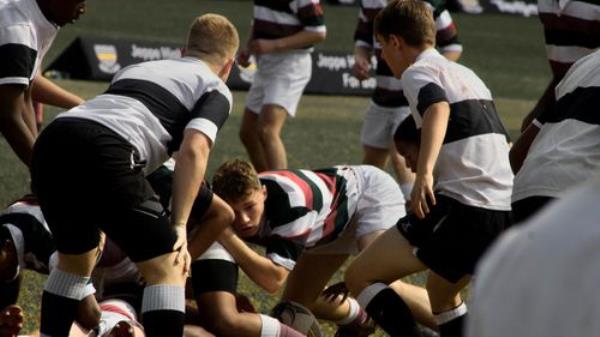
(16, 60)
(286, 249)
(428, 95)
(580, 104)
(472, 118)
(561, 37)
(278, 209)
(213, 106)
(276, 5)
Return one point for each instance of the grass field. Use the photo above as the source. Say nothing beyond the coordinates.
(507, 52)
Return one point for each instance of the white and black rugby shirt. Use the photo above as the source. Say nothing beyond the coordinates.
(25, 37)
(472, 166)
(151, 104)
(566, 150)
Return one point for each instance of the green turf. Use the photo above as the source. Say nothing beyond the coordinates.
(506, 51)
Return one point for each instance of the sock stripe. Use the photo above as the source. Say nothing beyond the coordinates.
(67, 285)
(269, 326)
(365, 296)
(352, 313)
(447, 316)
(163, 297)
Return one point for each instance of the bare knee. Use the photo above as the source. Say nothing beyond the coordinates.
(247, 134)
(163, 270)
(228, 323)
(268, 133)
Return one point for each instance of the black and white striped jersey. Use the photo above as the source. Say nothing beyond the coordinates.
(24, 223)
(566, 150)
(150, 104)
(571, 31)
(472, 166)
(25, 37)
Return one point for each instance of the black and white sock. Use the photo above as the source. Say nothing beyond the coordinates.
(356, 314)
(273, 328)
(62, 293)
(451, 322)
(163, 310)
(389, 310)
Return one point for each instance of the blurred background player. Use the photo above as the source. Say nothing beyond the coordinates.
(540, 279)
(388, 106)
(27, 30)
(282, 39)
(459, 208)
(95, 157)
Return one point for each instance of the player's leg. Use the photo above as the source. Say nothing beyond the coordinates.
(306, 283)
(270, 123)
(404, 175)
(250, 137)
(448, 308)
(387, 259)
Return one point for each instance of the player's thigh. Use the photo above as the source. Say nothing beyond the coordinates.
(310, 275)
(272, 117)
(249, 124)
(375, 156)
(387, 259)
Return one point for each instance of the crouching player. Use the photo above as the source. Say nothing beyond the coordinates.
(26, 244)
(309, 222)
(458, 148)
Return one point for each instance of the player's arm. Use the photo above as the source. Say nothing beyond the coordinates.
(47, 92)
(447, 36)
(518, 152)
(363, 43)
(261, 270)
(433, 131)
(14, 122)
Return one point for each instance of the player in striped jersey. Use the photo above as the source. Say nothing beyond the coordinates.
(458, 148)
(566, 151)
(309, 222)
(27, 30)
(388, 106)
(89, 169)
(283, 34)
(571, 31)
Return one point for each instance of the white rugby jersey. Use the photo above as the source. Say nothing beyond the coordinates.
(24, 222)
(304, 209)
(472, 166)
(150, 104)
(25, 37)
(275, 19)
(540, 279)
(388, 92)
(566, 150)
(571, 30)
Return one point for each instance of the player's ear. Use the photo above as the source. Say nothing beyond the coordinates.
(226, 69)
(396, 41)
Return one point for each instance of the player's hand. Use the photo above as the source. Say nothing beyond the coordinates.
(243, 58)
(11, 321)
(422, 196)
(182, 256)
(361, 67)
(331, 293)
(261, 46)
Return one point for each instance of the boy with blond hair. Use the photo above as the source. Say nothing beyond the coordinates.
(457, 146)
(90, 165)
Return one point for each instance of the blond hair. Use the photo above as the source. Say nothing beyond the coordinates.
(212, 38)
(410, 19)
(235, 179)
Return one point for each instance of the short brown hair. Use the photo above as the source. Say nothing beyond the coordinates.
(410, 19)
(235, 179)
(213, 38)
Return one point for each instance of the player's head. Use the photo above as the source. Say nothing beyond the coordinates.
(236, 181)
(408, 139)
(8, 256)
(62, 12)
(404, 28)
(213, 39)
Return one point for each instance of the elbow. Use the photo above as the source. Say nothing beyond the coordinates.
(275, 283)
(320, 36)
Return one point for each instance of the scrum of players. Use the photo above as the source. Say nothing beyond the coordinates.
(136, 242)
